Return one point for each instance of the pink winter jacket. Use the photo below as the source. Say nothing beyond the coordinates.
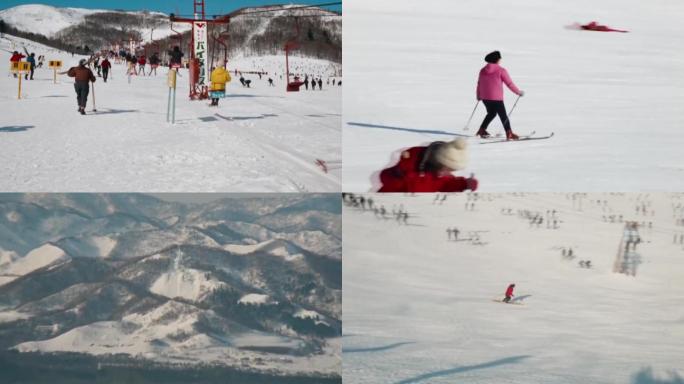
(489, 84)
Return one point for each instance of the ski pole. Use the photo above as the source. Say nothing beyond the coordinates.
(471, 116)
(511, 112)
(514, 104)
(94, 109)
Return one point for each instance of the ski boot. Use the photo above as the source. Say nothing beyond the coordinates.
(483, 134)
(511, 136)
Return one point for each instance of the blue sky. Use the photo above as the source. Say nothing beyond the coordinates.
(181, 7)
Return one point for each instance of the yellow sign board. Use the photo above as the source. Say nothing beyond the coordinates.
(55, 64)
(172, 79)
(24, 66)
(20, 66)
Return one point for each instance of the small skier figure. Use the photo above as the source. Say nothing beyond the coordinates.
(105, 65)
(509, 293)
(490, 91)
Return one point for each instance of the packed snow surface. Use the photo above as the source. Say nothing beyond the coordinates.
(420, 307)
(260, 139)
(613, 100)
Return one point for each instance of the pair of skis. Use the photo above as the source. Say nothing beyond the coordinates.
(510, 302)
(528, 137)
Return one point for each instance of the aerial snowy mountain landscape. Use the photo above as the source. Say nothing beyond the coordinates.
(597, 296)
(244, 287)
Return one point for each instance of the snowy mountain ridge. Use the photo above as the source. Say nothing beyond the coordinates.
(52, 21)
(179, 293)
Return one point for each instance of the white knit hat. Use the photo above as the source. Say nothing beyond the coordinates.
(453, 154)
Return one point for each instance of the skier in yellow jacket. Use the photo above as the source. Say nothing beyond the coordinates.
(219, 78)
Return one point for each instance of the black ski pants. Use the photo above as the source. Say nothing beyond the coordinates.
(495, 107)
(507, 299)
(82, 89)
(105, 74)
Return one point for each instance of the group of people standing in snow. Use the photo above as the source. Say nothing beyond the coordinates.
(31, 59)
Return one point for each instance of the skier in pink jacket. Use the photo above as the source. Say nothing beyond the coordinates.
(490, 91)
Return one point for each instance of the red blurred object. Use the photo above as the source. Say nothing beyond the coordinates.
(594, 26)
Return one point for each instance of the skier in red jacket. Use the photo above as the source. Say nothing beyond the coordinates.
(15, 58)
(429, 169)
(509, 293)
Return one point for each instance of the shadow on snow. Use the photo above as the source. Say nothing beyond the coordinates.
(375, 349)
(16, 128)
(242, 95)
(238, 118)
(453, 371)
(520, 298)
(432, 132)
(113, 111)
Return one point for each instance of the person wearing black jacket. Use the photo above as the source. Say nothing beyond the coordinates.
(176, 56)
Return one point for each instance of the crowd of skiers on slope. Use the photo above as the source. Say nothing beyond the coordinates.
(399, 214)
(136, 65)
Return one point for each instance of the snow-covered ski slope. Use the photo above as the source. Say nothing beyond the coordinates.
(50, 21)
(614, 100)
(419, 308)
(259, 139)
